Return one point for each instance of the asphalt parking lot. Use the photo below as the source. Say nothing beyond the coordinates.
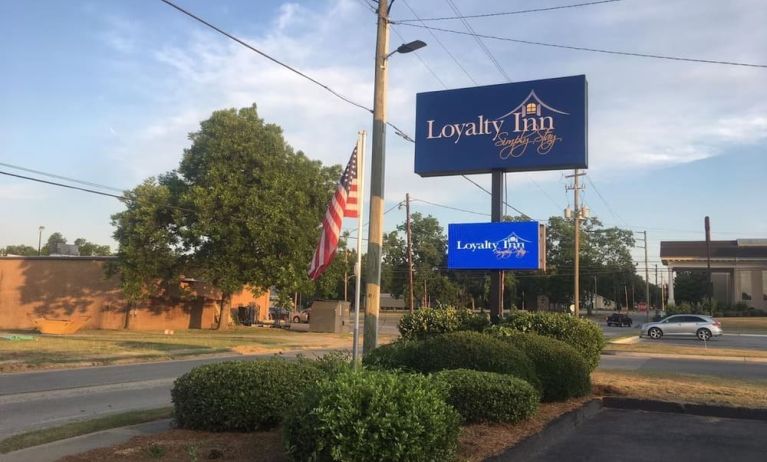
(627, 436)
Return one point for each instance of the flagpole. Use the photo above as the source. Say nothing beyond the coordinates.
(358, 264)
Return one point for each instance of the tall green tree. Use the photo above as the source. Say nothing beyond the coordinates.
(89, 249)
(51, 247)
(242, 209)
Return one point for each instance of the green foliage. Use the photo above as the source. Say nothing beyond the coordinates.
(54, 240)
(562, 371)
(583, 335)
(21, 250)
(456, 350)
(372, 416)
(428, 322)
(89, 249)
(682, 308)
(487, 396)
(240, 395)
(241, 209)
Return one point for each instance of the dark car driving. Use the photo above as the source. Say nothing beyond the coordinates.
(619, 320)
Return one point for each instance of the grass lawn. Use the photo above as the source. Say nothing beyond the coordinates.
(744, 325)
(99, 347)
(681, 388)
(698, 349)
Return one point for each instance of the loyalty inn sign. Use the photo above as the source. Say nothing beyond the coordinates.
(535, 125)
(510, 245)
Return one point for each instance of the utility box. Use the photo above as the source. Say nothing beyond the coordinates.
(329, 316)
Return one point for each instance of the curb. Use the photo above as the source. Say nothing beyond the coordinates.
(739, 359)
(705, 410)
(55, 450)
(556, 430)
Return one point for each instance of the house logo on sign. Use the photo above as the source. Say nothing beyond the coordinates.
(531, 123)
(511, 245)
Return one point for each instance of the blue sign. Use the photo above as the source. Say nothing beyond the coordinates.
(496, 246)
(513, 127)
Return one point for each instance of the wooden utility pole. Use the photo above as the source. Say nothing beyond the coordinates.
(409, 255)
(646, 279)
(377, 161)
(577, 215)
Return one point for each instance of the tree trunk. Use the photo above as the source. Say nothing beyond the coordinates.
(128, 315)
(224, 317)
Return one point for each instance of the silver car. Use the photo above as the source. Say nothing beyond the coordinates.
(688, 325)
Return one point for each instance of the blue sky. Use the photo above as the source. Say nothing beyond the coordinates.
(106, 91)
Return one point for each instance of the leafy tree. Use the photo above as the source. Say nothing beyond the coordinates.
(21, 249)
(690, 286)
(51, 247)
(89, 249)
(242, 209)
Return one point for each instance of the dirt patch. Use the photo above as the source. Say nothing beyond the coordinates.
(477, 442)
(187, 445)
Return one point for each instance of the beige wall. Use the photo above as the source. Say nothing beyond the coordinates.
(61, 288)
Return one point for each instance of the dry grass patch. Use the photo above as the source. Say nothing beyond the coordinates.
(674, 349)
(745, 325)
(100, 347)
(681, 388)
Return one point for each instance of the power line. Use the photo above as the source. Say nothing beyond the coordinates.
(60, 177)
(457, 209)
(508, 13)
(439, 42)
(286, 66)
(479, 41)
(53, 183)
(593, 50)
(523, 214)
(618, 217)
(421, 59)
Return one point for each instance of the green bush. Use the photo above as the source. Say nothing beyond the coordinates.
(583, 335)
(684, 308)
(561, 369)
(428, 322)
(456, 350)
(372, 416)
(240, 395)
(487, 396)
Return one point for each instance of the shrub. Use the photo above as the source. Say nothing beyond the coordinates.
(583, 335)
(428, 322)
(372, 416)
(561, 369)
(684, 308)
(488, 396)
(457, 350)
(240, 395)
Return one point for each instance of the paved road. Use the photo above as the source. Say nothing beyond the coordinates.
(737, 341)
(723, 369)
(629, 436)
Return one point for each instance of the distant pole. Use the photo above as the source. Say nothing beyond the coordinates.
(646, 279)
(656, 284)
(358, 264)
(710, 285)
(576, 187)
(40, 240)
(496, 277)
(594, 302)
(409, 255)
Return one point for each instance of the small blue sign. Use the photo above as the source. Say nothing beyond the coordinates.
(513, 127)
(496, 246)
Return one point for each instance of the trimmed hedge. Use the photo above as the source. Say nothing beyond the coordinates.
(372, 416)
(561, 369)
(487, 396)
(428, 322)
(240, 395)
(457, 350)
(583, 335)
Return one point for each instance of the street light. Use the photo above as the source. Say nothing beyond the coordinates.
(375, 229)
(408, 47)
(40, 239)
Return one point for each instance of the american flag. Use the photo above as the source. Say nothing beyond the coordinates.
(343, 204)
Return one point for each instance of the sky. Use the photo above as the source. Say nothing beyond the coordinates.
(107, 92)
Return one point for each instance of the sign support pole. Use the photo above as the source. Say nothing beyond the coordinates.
(358, 264)
(496, 277)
